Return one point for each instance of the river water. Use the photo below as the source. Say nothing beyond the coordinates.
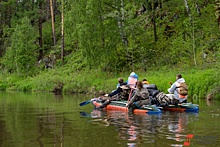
(46, 120)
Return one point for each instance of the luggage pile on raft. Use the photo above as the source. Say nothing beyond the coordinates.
(159, 102)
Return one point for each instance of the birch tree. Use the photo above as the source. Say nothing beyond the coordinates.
(188, 10)
(62, 30)
(52, 22)
(121, 19)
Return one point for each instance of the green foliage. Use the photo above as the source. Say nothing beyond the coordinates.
(97, 30)
(8, 82)
(95, 35)
(20, 56)
(201, 82)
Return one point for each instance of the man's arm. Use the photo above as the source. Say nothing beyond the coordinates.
(115, 92)
(172, 88)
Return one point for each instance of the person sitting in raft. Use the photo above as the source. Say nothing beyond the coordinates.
(179, 89)
(116, 94)
(122, 95)
(140, 98)
(145, 83)
(120, 82)
(119, 89)
(132, 80)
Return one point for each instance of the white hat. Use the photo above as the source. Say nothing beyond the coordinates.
(132, 74)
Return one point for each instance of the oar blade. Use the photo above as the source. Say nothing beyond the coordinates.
(85, 103)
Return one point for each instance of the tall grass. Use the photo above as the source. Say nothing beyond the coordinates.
(200, 82)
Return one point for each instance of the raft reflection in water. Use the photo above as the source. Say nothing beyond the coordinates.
(167, 128)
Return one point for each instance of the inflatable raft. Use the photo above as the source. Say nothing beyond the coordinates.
(149, 109)
(121, 105)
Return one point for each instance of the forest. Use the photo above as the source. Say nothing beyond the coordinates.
(74, 45)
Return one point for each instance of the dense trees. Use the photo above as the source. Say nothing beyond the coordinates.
(113, 35)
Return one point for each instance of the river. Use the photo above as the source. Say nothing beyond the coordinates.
(46, 120)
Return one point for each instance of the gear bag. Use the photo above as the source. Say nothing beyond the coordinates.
(163, 99)
(183, 89)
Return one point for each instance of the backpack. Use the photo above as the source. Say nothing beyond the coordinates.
(162, 99)
(183, 89)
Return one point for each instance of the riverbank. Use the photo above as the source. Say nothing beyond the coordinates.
(201, 82)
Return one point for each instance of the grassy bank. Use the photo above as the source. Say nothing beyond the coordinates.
(200, 81)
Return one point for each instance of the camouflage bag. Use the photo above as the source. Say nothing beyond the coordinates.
(163, 99)
(183, 89)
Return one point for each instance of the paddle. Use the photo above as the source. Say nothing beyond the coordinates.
(86, 102)
(129, 97)
(84, 114)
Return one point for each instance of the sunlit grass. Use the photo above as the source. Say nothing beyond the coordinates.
(200, 82)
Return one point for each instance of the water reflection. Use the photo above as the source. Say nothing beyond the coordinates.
(143, 128)
(48, 120)
(210, 102)
(47, 126)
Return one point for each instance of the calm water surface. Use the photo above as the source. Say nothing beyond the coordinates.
(46, 120)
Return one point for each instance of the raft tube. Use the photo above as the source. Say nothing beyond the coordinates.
(183, 107)
(121, 105)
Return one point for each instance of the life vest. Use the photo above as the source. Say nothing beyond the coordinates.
(182, 90)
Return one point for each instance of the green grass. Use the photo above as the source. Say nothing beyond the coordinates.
(200, 81)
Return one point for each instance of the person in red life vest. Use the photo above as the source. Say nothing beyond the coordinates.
(179, 89)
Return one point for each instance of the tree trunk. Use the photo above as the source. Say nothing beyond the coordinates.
(40, 56)
(218, 20)
(62, 31)
(32, 5)
(198, 9)
(52, 22)
(155, 28)
(217, 11)
(194, 49)
(121, 18)
(188, 10)
(154, 23)
(161, 4)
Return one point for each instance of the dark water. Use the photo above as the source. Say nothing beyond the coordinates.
(32, 120)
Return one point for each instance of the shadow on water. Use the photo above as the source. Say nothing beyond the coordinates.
(167, 128)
